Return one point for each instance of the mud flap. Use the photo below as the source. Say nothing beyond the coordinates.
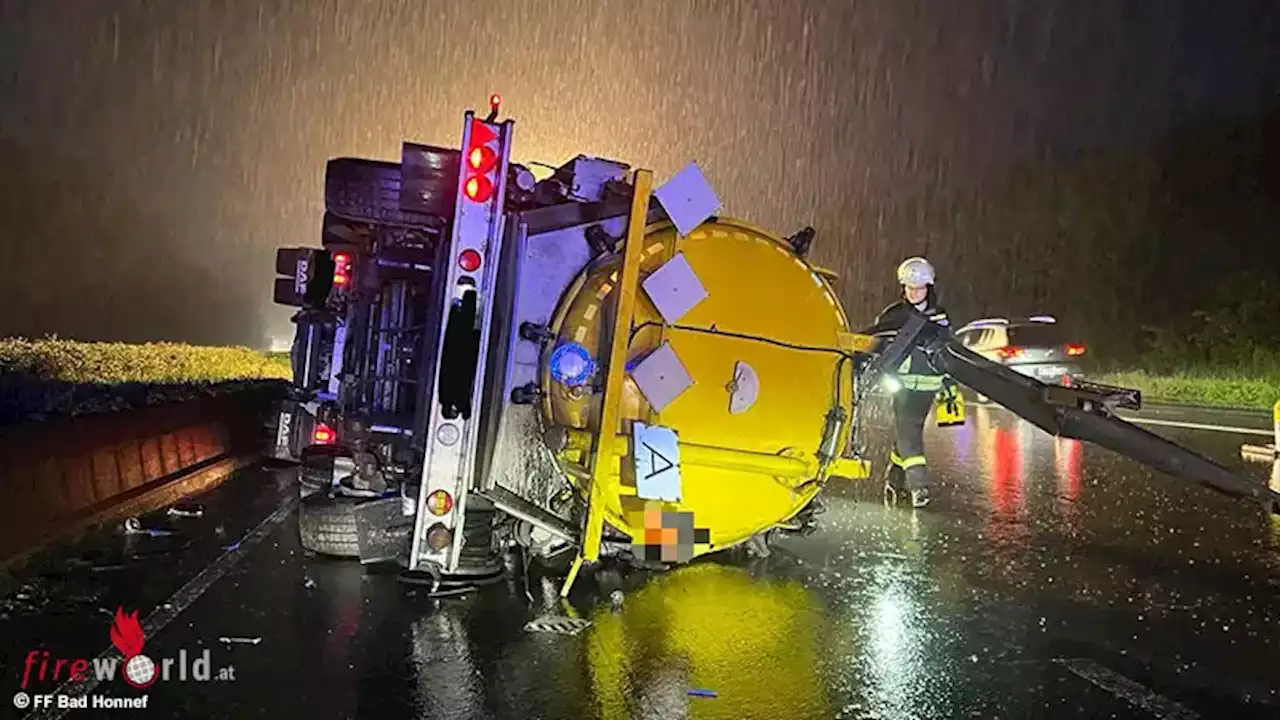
(383, 532)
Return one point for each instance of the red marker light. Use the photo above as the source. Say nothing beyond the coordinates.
(1075, 350)
(323, 434)
(469, 260)
(478, 189)
(482, 158)
(495, 100)
(1008, 353)
(342, 263)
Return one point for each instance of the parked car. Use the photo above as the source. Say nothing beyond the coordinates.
(1035, 346)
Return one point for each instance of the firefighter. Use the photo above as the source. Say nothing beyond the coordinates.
(916, 384)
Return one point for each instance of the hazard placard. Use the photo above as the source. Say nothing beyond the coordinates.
(657, 462)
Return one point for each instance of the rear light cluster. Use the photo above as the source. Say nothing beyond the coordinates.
(341, 269)
(479, 178)
(323, 435)
(1009, 353)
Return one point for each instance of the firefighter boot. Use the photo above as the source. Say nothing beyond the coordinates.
(894, 485)
(920, 497)
(918, 483)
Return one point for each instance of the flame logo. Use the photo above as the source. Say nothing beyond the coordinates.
(126, 633)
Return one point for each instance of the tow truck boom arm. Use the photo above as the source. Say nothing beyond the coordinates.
(1065, 412)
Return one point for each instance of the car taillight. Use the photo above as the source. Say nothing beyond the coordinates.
(1009, 353)
(439, 503)
(323, 435)
(1075, 350)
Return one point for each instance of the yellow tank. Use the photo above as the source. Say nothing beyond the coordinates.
(742, 472)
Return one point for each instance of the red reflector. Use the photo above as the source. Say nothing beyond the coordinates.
(481, 133)
(1075, 350)
(439, 537)
(323, 434)
(439, 503)
(469, 260)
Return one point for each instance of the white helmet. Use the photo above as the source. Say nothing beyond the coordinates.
(915, 272)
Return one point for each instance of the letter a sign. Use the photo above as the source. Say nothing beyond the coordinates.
(657, 462)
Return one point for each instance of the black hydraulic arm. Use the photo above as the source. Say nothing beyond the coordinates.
(1085, 413)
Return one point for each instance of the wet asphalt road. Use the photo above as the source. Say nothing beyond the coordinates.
(1049, 579)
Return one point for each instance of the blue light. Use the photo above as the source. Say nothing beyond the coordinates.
(571, 364)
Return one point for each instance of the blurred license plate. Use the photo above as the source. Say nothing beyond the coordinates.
(1051, 372)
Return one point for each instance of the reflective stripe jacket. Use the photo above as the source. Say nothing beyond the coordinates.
(915, 373)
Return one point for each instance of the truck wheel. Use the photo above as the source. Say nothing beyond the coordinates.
(369, 190)
(327, 526)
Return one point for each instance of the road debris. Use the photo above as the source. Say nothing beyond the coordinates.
(449, 592)
(240, 640)
(133, 526)
(557, 625)
(308, 583)
(699, 692)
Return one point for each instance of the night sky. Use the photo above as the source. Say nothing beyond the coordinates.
(157, 152)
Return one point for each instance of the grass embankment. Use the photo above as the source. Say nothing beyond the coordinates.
(1221, 388)
(42, 379)
(151, 363)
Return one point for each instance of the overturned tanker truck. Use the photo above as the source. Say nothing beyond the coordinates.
(585, 366)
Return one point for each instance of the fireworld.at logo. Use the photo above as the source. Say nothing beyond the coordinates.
(136, 669)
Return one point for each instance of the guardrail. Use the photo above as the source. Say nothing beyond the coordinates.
(61, 476)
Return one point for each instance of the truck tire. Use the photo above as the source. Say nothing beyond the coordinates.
(369, 190)
(327, 525)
